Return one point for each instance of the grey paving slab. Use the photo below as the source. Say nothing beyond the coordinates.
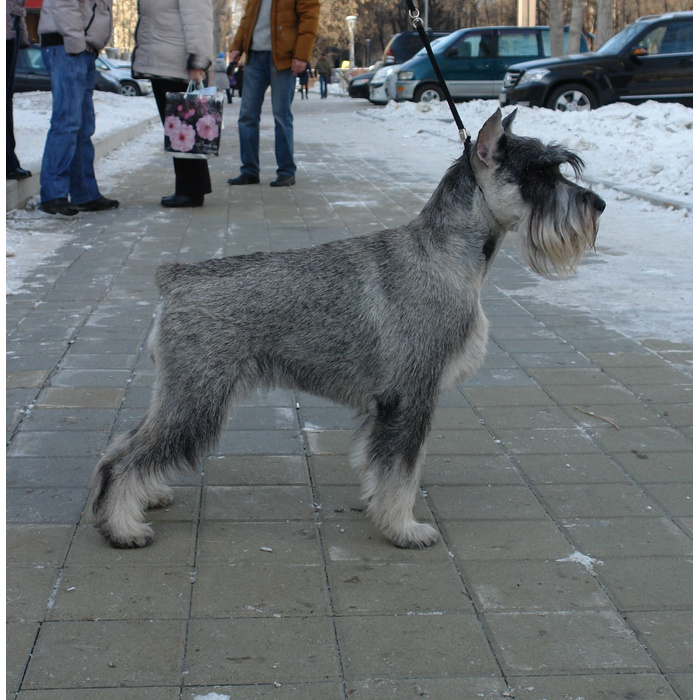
(28, 592)
(236, 470)
(394, 646)
(108, 592)
(385, 688)
(668, 634)
(559, 477)
(645, 686)
(261, 650)
(260, 590)
(150, 692)
(551, 585)
(108, 653)
(576, 642)
(49, 471)
(270, 691)
(362, 588)
(648, 583)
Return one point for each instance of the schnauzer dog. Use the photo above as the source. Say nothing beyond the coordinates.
(382, 323)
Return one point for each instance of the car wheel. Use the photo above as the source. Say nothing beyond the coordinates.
(130, 89)
(572, 98)
(428, 93)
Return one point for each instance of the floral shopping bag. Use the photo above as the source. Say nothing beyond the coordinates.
(193, 122)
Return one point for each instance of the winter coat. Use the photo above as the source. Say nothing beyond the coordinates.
(172, 38)
(323, 66)
(293, 23)
(14, 9)
(83, 24)
(220, 74)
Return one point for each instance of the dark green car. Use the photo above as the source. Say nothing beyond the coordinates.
(473, 62)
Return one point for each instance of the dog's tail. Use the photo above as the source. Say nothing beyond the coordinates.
(170, 273)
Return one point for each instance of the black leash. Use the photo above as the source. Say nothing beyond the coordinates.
(414, 14)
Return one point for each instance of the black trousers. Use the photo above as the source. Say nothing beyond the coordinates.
(11, 162)
(191, 175)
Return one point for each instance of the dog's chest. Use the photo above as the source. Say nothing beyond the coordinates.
(470, 356)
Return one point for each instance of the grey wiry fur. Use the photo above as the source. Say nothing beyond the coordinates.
(382, 323)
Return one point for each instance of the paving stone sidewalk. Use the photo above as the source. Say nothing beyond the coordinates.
(559, 479)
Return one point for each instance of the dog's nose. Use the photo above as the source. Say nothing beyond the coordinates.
(598, 203)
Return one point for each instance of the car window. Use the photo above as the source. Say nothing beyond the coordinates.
(31, 59)
(669, 38)
(615, 43)
(473, 46)
(412, 44)
(517, 43)
(437, 45)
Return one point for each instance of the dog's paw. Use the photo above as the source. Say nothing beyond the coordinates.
(162, 498)
(417, 536)
(135, 538)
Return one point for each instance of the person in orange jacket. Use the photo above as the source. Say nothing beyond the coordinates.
(277, 37)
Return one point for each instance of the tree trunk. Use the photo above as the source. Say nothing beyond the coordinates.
(575, 27)
(556, 27)
(604, 23)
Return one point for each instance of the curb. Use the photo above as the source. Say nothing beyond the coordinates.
(19, 191)
(657, 199)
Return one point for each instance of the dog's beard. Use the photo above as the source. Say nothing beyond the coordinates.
(553, 240)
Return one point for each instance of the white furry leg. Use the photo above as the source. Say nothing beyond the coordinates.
(120, 513)
(390, 497)
(159, 493)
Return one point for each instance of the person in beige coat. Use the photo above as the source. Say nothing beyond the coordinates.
(174, 44)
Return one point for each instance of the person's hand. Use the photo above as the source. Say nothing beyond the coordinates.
(298, 66)
(197, 75)
(234, 56)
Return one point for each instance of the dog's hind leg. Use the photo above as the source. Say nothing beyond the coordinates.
(185, 417)
(389, 453)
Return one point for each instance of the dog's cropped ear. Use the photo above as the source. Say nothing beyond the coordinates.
(508, 122)
(488, 137)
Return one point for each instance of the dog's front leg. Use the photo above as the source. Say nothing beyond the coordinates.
(389, 453)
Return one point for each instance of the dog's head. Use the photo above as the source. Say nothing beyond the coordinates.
(524, 189)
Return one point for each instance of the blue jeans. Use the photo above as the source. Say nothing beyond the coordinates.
(67, 166)
(323, 82)
(259, 74)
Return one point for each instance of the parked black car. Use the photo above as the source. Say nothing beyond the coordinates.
(651, 59)
(32, 74)
(400, 48)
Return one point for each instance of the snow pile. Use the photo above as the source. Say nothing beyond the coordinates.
(32, 113)
(647, 146)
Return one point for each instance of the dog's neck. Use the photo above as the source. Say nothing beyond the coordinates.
(458, 211)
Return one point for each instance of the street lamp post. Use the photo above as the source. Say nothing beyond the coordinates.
(351, 19)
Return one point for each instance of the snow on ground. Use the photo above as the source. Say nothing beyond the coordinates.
(30, 236)
(639, 281)
(647, 146)
(32, 112)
